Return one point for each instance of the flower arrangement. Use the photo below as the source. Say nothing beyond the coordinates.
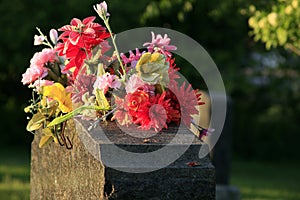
(73, 76)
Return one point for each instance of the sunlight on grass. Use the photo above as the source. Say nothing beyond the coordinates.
(14, 176)
(266, 181)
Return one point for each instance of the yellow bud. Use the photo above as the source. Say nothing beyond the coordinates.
(27, 109)
(252, 22)
(262, 23)
(252, 8)
(272, 19)
(295, 3)
(288, 10)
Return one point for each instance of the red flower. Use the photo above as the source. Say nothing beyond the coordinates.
(78, 39)
(187, 99)
(136, 100)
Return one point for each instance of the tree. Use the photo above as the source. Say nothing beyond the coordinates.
(277, 24)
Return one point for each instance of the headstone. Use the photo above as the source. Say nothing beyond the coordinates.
(81, 173)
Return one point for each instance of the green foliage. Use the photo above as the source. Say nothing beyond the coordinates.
(277, 25)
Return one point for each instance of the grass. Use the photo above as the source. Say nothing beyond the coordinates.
(14, 174)
(256, 180)
(266, 181)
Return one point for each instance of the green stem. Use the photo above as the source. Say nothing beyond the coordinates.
(115, 46)
(69, 115)
(47, 43)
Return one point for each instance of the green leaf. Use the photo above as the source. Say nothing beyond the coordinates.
(45, 140)
(36, 122)
(281, 36)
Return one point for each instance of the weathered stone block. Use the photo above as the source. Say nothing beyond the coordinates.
(91, 170)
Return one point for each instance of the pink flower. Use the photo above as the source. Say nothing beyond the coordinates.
(33, 73)
(133, 58)
(101, 9)
(160, 44)
(107, 81)
(188, 99)
(133, 83)
(40, 83)
(39, 59)
(83, 84)
(121, 114)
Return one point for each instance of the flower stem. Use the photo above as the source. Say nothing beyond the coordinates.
(47, 43)
(105, 19)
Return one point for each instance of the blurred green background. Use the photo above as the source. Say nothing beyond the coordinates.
(263, 84)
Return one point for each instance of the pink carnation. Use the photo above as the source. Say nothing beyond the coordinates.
(39, 59)
(34, 73)
(106, 81)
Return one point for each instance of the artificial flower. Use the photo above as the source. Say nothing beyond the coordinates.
(133, 58)
(83, 85)
(38, 39)
(38, 84)
(135, 82)
(53, 36)
(33, 73)
(101, 10)
(59, 94)
(107, 81)
(160, 44)
(153, 68)
(40, 59)
(79, 38)
(187, 100)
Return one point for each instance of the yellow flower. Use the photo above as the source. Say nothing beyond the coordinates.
(295, 3)
(153, 68)
(59, 94)
(288, 10)
(272, 19)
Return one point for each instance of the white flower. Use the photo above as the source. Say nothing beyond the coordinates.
(101, 9)
(53, 35)
(38, 39)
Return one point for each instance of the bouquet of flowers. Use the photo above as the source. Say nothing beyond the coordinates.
(73, 76)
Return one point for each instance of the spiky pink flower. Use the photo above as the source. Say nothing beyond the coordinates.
(133, 58)
(160, 44)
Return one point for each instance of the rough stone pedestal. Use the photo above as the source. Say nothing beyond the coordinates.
(90, 171)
